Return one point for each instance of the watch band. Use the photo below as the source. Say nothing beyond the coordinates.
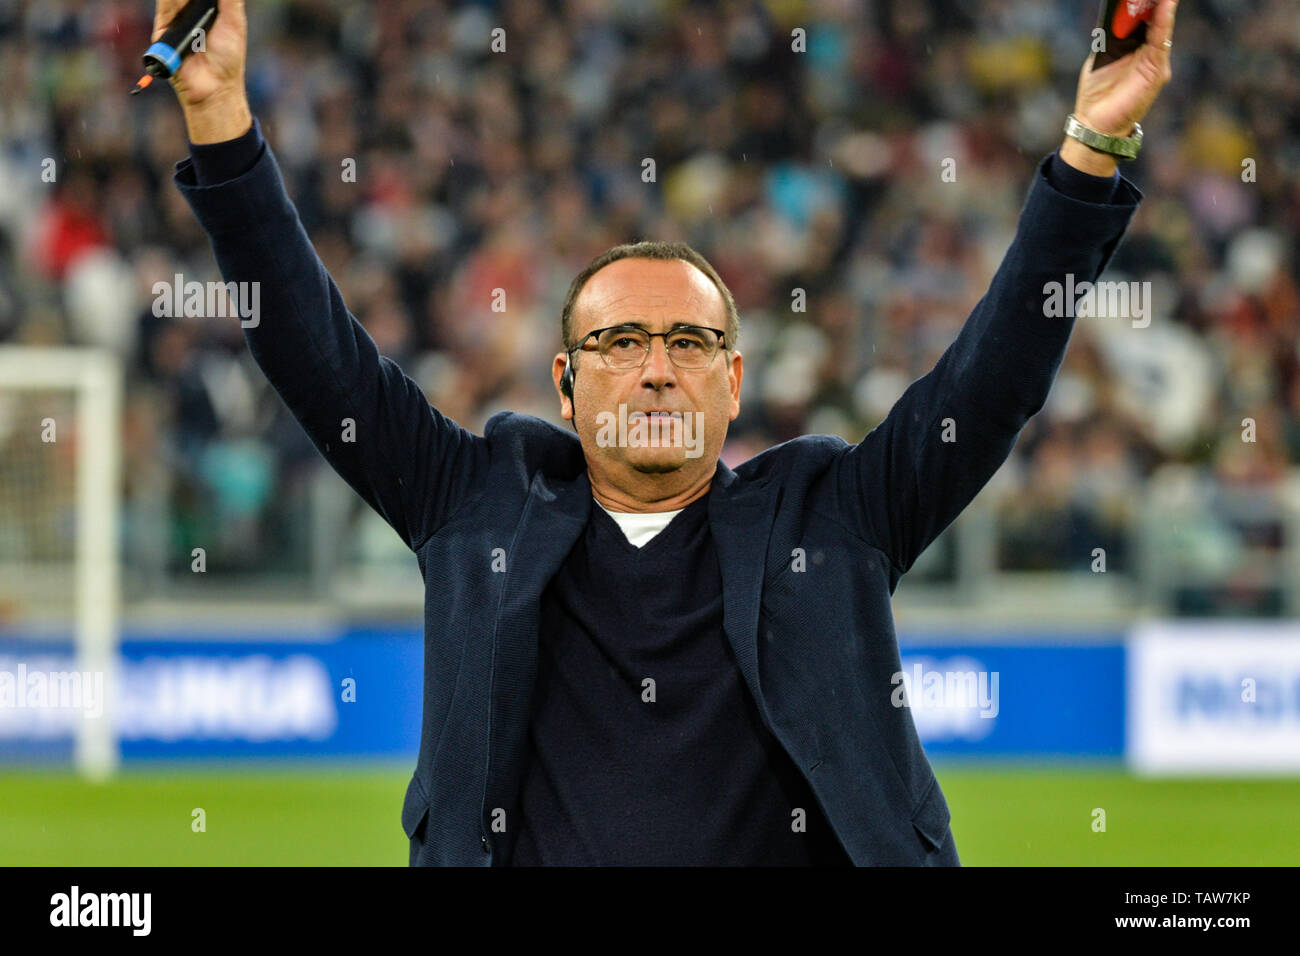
(1125, 147)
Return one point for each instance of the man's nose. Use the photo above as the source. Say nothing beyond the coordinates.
(658, 369)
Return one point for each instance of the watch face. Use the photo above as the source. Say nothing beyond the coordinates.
(1125, 25)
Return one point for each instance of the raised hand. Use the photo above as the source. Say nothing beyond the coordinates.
(1112, 98)
(210, 84)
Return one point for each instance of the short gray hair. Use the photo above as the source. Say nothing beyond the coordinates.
(650, 250)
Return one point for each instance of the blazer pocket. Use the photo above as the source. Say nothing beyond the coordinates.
(415, 807)
(932, 816)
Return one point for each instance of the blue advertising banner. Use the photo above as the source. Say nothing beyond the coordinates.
(360, 696)
(1037, 700)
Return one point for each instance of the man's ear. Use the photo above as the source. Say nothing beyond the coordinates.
(558, 367)
(735, 375)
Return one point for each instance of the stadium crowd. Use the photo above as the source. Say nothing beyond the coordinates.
(810, 177)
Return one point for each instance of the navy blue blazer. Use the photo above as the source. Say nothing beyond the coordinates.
(814, 638)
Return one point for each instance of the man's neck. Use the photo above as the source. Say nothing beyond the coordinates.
(642, 499)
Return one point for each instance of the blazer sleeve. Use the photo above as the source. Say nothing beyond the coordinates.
(370, 421)
(903, 484)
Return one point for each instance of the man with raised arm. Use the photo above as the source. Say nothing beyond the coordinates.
(633, 653)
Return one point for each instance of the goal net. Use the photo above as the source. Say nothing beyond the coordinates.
(60, 463)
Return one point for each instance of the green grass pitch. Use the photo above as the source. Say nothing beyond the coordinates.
(336, 815)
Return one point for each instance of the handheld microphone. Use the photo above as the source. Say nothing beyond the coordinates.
(1125, 23)
(164, 57)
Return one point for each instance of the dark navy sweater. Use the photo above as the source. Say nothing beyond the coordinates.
(644, 745)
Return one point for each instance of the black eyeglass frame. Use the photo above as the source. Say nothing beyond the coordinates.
(683, 327)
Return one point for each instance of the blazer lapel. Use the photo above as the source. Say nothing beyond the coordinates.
(740, 519)
(554, 515)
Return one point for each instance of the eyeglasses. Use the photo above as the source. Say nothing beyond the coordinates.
(626, 346)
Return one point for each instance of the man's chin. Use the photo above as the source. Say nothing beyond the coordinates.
(655, 461)
(657, 467)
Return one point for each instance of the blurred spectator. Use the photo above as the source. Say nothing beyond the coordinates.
(809, 176)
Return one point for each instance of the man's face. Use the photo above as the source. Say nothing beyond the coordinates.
(655, 294)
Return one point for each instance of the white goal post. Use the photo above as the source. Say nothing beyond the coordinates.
(47, 561)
